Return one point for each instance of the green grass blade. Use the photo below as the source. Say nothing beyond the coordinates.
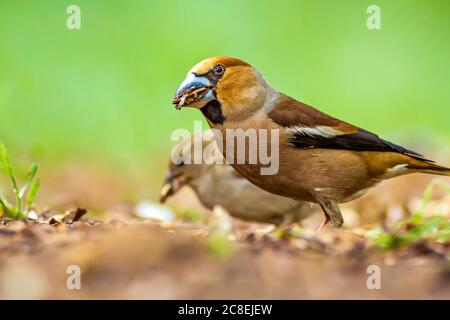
(8, 209)
(31, 175)
(34, 188)
(418, 225)
(8, 168)
(429, 192)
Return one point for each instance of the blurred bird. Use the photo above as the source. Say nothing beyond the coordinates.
(321, 159)
(220, 185)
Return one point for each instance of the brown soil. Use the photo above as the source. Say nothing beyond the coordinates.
(123, 257)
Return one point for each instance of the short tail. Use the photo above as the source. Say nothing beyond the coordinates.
(430, 168)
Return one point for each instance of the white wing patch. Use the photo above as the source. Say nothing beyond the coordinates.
(396, 170)
(321, 131)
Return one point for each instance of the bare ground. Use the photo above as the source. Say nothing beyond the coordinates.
(121, 256)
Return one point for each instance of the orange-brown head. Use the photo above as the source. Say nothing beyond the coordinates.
(223, 88)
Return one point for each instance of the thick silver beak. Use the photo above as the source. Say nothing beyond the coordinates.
(192, 80)
(195, 91)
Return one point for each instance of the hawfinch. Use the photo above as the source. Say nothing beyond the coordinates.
(217, 183)
(321, 159)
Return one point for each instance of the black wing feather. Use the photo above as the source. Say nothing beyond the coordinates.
(359, 141)
(291, 113)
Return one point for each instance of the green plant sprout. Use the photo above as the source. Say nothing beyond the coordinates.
(410, 230)
(25, 195)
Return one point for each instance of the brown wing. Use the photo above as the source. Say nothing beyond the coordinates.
(312, 128)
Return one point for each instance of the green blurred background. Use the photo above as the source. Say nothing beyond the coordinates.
(105, 91)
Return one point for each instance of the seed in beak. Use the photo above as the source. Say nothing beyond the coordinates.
(189, 96)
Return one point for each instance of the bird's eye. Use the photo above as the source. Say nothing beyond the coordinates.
(219, 69)
(179, 164)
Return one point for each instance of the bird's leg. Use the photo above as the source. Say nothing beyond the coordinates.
(323, 224)
(331, 211)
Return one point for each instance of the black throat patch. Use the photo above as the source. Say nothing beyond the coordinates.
(213, 112)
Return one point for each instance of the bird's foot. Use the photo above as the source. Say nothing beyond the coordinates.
(323, 224)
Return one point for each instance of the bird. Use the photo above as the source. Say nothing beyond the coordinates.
(218, 184)
(321, 159)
